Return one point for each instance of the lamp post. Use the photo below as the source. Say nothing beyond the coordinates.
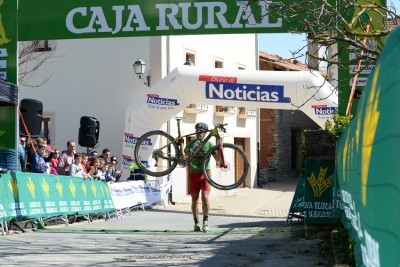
(139, 66)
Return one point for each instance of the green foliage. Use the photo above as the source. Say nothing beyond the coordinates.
(338, 250)
(335, 128)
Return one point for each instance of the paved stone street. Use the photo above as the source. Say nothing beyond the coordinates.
(247, 228)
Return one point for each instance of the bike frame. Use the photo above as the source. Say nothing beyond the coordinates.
(180, 140)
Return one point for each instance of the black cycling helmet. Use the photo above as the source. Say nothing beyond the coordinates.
(201, 126)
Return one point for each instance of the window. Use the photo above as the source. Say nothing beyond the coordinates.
(190, 57)
(218, 63)
(41, 46)
(48, 127)
(241, 67)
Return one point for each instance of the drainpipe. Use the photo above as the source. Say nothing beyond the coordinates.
(170, 201)
(258, 118)
(258, 166)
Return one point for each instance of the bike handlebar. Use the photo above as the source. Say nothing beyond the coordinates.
(221, 127)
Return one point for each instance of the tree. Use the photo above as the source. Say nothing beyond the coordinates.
(341, 33)
(331, 22)
(32, 56)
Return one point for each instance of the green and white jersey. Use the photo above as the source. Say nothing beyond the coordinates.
(197, 162)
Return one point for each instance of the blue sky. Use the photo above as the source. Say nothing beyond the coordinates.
(282, 43)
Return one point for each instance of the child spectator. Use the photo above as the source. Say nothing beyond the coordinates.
(107, 173)
(38, 163)
(76, 168)
(85, 164)
(95, 170)
(54, 162)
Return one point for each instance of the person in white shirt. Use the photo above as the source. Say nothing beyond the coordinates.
(76, 169)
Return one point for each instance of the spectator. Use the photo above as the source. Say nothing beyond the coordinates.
(50, 153)
(106, 155)
(66, 158)
(95, 170)
(54, 162)
(93, 155)
(136, 174)
(114, 171)
(76, 168)
(38, 163)
(107, 173)
(22, 152)
(85, 164)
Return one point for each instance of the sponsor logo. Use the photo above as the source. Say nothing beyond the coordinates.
(246, 92)
(156, 99)
(359, 81)
(219, 79)
(130, 138)
(363, 69)
(126, 160)
(324, 110)
(129, 18)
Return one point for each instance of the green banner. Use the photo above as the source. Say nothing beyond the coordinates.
(104, 19)
(7, 127)
(8, 40)
(8, 69)
(29, 195)
(298, 198)
(318, 191)
(367, 164)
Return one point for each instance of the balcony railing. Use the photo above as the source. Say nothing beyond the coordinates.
(224, 111)
(196, 108)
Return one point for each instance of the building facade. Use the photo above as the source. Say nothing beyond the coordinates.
(95, 78)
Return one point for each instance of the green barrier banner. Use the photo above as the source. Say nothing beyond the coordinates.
(29, 195)
(8, 69)
(8, 40)
(104, 19)
(318, 191)
(368, 164)
(298, 198)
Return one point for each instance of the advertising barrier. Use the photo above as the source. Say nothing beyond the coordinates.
(367, 160)
(318, 191)
(29, 196)
(133, 193)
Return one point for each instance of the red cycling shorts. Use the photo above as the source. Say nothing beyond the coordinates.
(198, 182)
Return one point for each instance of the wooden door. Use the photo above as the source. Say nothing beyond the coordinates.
(240, 142)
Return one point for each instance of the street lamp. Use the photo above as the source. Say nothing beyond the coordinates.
(139, 66)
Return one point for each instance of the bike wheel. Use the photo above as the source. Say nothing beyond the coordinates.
(235, 171)
(156, 153)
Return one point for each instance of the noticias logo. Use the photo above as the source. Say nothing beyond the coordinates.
(126, 160)
(246, 92)
(156, 99)
(130, 138)
(324, 110)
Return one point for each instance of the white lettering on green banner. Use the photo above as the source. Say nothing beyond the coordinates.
(100, 19)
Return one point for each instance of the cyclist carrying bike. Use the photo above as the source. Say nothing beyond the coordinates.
(196, 177)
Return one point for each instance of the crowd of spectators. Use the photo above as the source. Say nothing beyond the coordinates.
(39, 157)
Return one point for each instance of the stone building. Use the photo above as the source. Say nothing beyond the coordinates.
(280, 130)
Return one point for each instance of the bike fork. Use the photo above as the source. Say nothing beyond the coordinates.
(222, 162)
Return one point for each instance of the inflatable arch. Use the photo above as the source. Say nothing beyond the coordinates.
(304, 90)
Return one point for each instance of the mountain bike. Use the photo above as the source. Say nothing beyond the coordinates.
(158, 154)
